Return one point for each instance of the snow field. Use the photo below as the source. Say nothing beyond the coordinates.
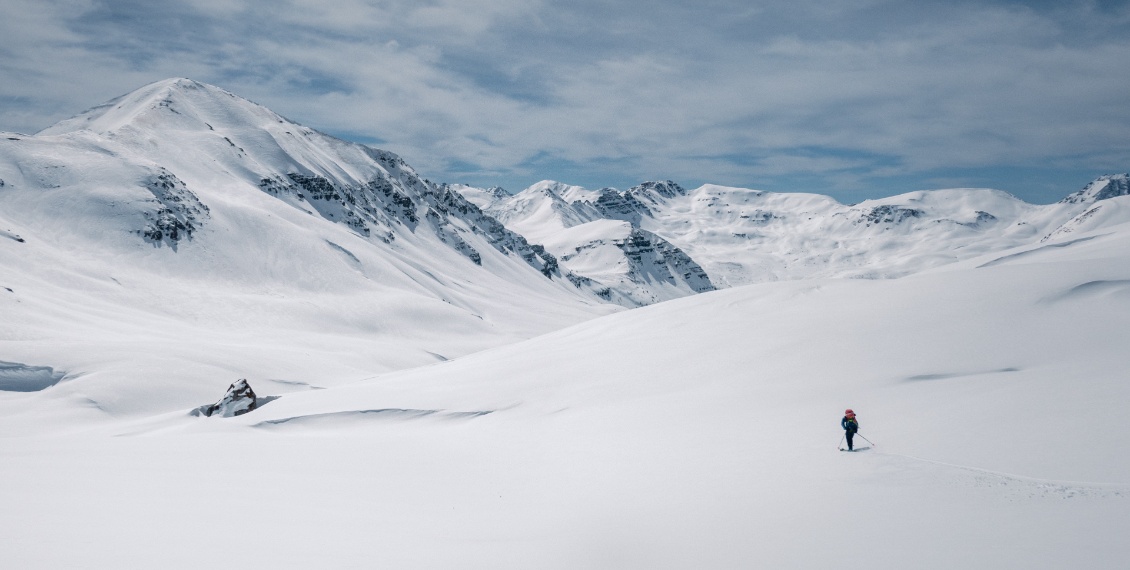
(694, 433)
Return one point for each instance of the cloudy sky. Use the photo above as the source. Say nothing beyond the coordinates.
(852, 98)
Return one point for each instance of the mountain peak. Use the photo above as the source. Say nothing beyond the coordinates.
(176, 102)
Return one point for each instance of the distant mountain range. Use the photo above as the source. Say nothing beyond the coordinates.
(186, 178)
(161, 164)
(722, 237)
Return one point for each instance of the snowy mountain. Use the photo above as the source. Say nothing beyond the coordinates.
(739, 236)
(182, 125)
(185, 210)
(481, 197)
(610, 254)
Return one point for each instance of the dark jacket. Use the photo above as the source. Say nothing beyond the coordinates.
(851, 425)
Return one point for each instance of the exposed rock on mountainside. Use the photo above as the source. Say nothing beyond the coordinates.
(656, 192)
(1103, 188)
(615, 205)
(887, 214)
(179, 212)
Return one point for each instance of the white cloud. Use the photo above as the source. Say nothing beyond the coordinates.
(717, 93)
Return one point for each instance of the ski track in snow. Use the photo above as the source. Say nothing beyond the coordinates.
(1021, 486)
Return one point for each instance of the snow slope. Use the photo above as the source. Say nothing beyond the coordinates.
(179, 237)
(694, 433)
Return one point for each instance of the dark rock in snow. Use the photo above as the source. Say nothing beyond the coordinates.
(238, 400)
(887, 214)
(656, 191)
(614, 205)
(179, 212)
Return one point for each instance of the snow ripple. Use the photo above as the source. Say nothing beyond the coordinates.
(1024, 487)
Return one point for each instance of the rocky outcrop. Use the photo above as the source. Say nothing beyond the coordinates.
(238, 400)
(402, 201)
(655, 192)
(179, 212)
(616, 205)
(888, 214)
(1102, 188)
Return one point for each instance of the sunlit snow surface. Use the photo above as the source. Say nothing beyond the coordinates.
(695, 433)
(412, 416)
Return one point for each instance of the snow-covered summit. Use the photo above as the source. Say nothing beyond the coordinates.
(484, 198)
(541, 209)
(178, 102)
(181, 123)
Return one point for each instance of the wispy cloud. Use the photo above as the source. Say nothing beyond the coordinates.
(857, 98)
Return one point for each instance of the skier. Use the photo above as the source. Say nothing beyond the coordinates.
(850, 425)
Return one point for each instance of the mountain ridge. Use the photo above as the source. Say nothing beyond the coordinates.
(743, 236)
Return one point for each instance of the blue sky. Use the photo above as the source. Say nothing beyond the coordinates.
(852, 98)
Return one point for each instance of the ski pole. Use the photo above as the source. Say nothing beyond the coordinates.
(865, 439)
(841, 443)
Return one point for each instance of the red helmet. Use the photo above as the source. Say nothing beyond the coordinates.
(848, 411)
